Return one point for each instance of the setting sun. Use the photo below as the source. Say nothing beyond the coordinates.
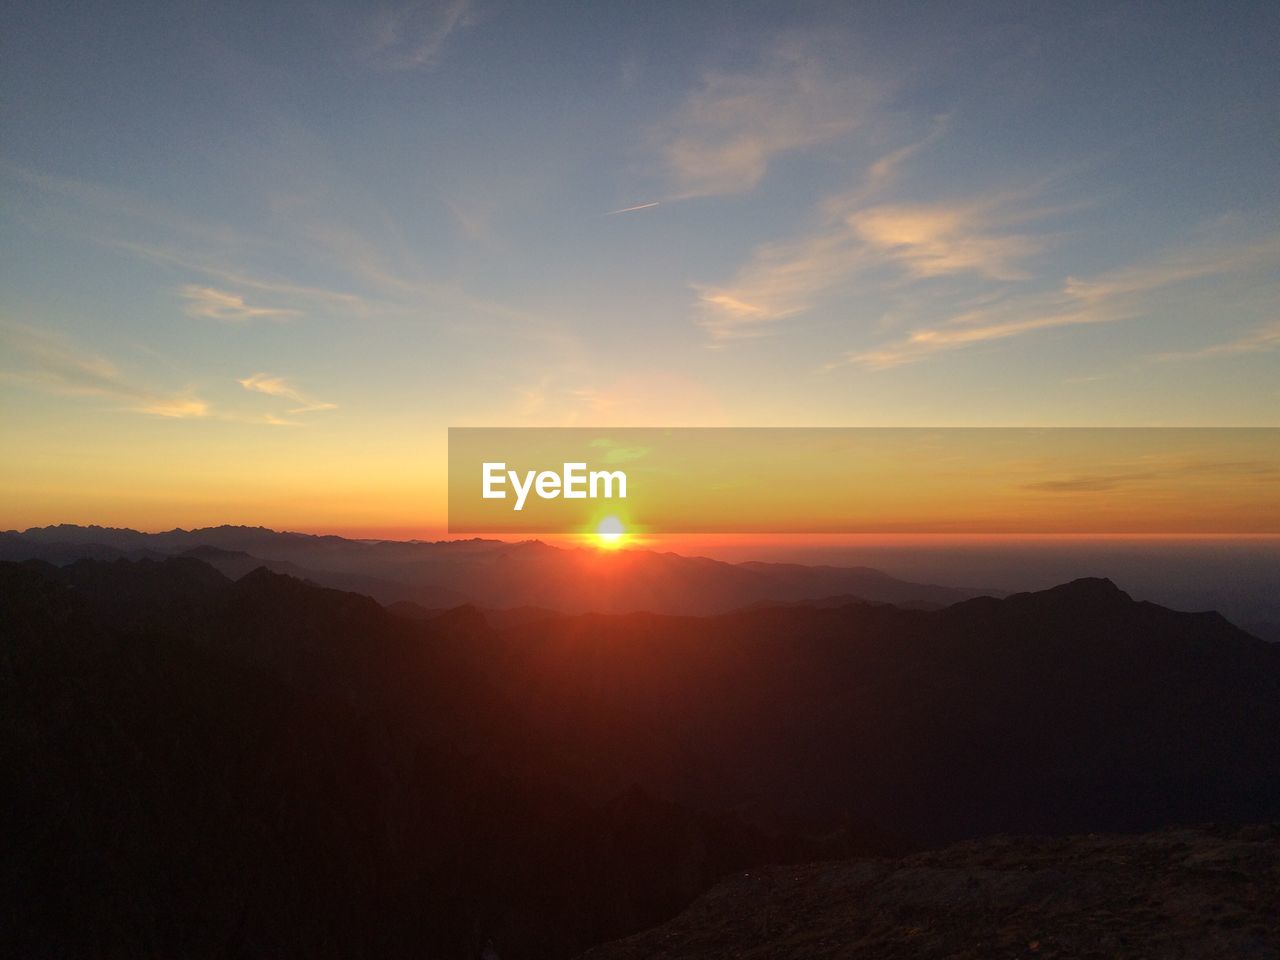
(609, 533)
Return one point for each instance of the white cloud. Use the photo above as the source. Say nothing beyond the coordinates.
(387, 268)
(280, 387)
(412, 35)
(1112, 296)
(1262, 339)
(725, 135)
(54, 365)
(940, 239)
(210, 303)
(787, 278)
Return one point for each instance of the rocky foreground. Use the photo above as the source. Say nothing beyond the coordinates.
(1185, 893)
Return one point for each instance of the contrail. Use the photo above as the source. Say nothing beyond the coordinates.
(638, 206)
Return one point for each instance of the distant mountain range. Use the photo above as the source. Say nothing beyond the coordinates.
(196, 765)
(488, 573)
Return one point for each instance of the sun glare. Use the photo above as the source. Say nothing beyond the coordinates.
(609, 533)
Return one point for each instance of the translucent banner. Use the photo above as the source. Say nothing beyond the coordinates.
(860, 480)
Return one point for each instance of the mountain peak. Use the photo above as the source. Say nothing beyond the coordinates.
(1090, 587)
(265, 575)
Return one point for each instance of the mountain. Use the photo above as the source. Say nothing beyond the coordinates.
(192, 762)
(1265, 630)
(1075, 708)
(234, 564)
(1199, 894)
(489, 573)
(198, 767)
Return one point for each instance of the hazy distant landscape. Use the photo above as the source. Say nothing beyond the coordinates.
(489, 573)
(1235, 576)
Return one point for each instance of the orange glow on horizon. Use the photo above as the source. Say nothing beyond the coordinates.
(694, 543)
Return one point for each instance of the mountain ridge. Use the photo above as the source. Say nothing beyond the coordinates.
(489, 573)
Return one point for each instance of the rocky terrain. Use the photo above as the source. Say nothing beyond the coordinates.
(1185, 893)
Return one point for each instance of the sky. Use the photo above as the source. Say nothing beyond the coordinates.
(255, 259)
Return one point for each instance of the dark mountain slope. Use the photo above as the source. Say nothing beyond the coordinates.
(1072, 709)
(194, 767)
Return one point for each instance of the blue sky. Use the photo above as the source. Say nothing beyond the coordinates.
(244, 245)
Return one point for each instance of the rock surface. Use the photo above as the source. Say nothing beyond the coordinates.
(1185, 893)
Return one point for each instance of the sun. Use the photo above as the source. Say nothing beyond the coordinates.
(609, 533)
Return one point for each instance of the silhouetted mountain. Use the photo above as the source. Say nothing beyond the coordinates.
(414, 611)
(1201, 894)
(491, 573)
(1072, 709)
(498, 619)
(193, 762)
(1264, 630)
(20, 546)
(234, 564)
(198, 767)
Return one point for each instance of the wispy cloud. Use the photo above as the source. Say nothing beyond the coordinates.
(638, 206)
(210, 303)
(54, 365)
(790, 277)
(212, 266)
(1092, 483)
(725, 135)
(399, 292)
(1266, 471)
(412, 35)
(385, 276)
(781, 280)
(941, 239)
(1107, 298)
(884, 171)
(1260, 340)
(115, 219)
(280, 387)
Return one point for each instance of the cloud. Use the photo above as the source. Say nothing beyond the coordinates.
(787, 278)
(931, 241)
(279, 387)
(1110, 297)
(412, 35)
(1267, 471)
(53, 365)
(389, 275)
(213, 267)
(781, 280)
(1096, 483)
(725, 135)
(1260, 340)
(885, 170)
(638, 206)
(209, 303)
